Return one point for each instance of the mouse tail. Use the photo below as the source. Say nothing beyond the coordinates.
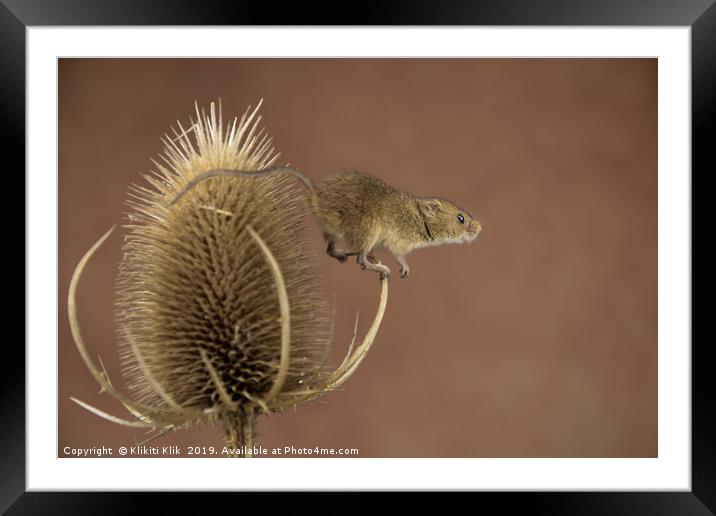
(269, 171)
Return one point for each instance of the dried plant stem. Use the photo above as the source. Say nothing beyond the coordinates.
(248, 431)
(231, 435)
(239, 432)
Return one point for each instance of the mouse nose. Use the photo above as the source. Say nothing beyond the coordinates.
(476, 227)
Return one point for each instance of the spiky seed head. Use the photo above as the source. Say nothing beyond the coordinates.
(193, 285)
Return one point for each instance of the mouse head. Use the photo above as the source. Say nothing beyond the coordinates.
(445, 223)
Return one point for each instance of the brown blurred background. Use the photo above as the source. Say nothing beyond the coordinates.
(538, 340)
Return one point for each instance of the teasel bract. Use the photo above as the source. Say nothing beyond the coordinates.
(220, 312)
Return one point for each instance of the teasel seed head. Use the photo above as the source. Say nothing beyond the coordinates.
(193, 281)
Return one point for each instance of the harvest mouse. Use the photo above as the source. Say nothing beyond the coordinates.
(368, 214)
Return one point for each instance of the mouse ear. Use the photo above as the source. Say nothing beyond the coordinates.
(429, 207)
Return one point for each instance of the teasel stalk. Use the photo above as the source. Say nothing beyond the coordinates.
(220, 312)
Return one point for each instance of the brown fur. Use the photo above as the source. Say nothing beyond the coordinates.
(366, 213)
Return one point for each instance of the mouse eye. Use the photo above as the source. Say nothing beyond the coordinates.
(460, 218)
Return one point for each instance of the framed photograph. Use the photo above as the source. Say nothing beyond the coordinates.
(321, 319)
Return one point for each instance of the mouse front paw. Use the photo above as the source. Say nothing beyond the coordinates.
(404, 272)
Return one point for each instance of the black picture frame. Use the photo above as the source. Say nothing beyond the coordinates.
(700, 15)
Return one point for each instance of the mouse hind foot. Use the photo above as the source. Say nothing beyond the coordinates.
(370, 263)
(338, 254)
